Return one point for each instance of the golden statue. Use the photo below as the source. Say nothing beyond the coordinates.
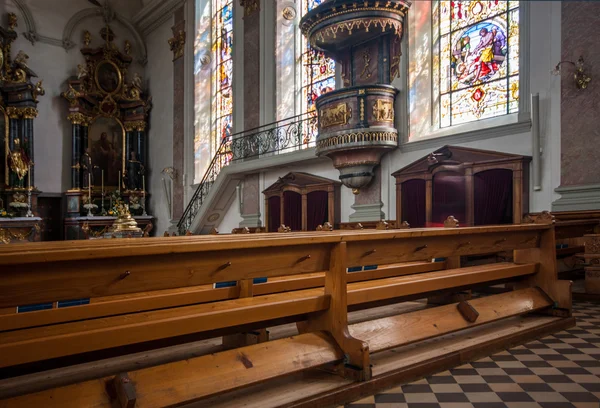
(18, 161)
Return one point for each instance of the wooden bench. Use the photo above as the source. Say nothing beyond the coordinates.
(71, 270)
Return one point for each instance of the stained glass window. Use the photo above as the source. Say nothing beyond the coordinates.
(222, 74)
(475, 60)
(318, 72)
(213, 67)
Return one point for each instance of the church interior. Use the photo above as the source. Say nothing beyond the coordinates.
(299, 203)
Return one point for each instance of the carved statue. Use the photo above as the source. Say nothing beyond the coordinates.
(135, 172)
(18, 162)
(127, 47)
(21, 59)
(82, 71)
(137, 81)
(88, 168)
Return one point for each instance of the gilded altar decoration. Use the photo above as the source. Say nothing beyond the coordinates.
(12, 21)
(18, 161)
(10, 235)
(250, 6)
(383, 111)
(108, 108)
(338, 115)
(124, 222)
(87, 38)
(177, 44)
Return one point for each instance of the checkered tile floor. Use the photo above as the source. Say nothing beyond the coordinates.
(559, 371)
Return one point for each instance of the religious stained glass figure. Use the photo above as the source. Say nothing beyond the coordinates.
(476, 71)
(318, 76)
(222, 104)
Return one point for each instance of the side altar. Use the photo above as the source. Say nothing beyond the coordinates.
(108, 110)
(19, 93)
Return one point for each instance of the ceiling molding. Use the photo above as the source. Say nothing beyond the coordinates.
(150, 17)
(66, 42)
(95, 12)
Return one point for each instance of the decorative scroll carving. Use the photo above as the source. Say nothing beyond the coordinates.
(403, 225)
(545, 217)
(337, 115)
(177, 44)
(382, 225)
(250, 6)
(451, 222)
(325, 227)
(592, 244)
(283, 228)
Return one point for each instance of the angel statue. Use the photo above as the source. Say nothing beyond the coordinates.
(137, 81)
(82, 71)
(21, 59)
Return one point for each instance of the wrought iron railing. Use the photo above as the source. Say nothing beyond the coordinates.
(285, 136)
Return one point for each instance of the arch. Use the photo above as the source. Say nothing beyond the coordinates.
(108, 15)
(31, 31)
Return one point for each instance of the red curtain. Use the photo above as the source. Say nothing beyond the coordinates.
(413, 203)
(292, 210)
(448, 197)
(274, 213)
(493, 197)
(316, 211)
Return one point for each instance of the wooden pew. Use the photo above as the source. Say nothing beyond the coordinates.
(54, 270)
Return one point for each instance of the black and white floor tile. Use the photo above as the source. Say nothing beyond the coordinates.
(559, 371)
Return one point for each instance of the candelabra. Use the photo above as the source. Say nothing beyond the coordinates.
(103, 211)
(29, 213)
(144, 204)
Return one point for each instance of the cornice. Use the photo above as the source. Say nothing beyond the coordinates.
(154, 14)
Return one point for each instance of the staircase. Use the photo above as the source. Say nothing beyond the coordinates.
(285, 136)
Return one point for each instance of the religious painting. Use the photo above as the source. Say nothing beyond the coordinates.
(478, 63)
(105, 144)
(108, 77)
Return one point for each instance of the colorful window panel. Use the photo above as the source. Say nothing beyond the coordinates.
(476, 59)
(222, 73)
(318, 74)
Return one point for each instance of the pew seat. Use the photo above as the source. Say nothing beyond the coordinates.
(59, 340)
(325, 340)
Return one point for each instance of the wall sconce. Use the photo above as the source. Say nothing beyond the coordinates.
(581, 79)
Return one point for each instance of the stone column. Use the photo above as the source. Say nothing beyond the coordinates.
(251, 77)
(579, 181)
(251, 202)
(177, 46)
(367, 204)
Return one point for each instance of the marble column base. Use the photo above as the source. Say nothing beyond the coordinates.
(367, 212)
(251, 221)
(578, 198)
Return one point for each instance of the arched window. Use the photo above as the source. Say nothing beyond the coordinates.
(303, 74)
(465, 54)
(213, 73)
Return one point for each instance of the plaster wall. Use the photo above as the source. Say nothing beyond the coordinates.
(160, 137)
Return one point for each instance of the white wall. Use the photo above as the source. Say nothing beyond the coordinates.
(159, 71)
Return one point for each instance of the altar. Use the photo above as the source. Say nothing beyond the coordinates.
(78, 228)
(20, 229)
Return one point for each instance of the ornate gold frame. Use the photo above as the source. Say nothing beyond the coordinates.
(124, 136)
(6, 130)
(120, 75)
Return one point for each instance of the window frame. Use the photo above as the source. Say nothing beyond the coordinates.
(503, 125)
